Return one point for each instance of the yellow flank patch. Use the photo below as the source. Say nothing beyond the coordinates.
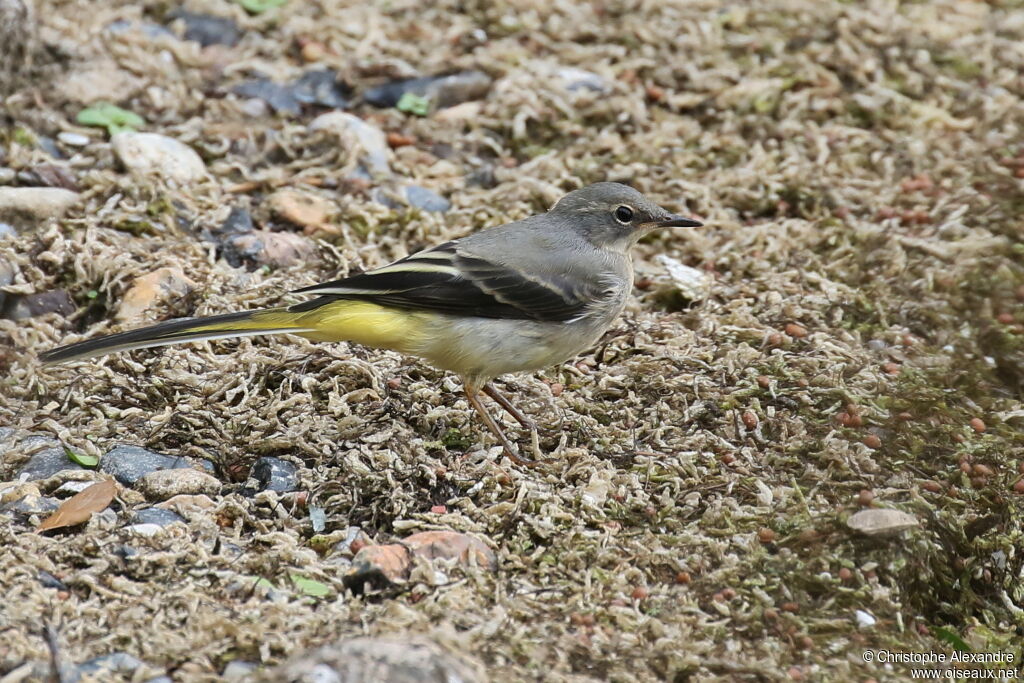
(364, 323)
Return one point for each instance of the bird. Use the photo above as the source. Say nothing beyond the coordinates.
(518, 297)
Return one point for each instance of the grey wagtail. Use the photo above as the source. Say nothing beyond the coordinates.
(519, 297)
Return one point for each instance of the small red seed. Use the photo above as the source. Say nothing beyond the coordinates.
(791, 607)
(796, 331)
(932, 486)
(891, 368)
(845, 574)
(977, 424)
(439, 509)
(655, 94)
(775, 339)
(718, 597)
(771, 614)
(394, 382)
(856, 420)
(683, 577)
(904, 417)
(802, 382)
(983, 470)
(870, 574)
(557, 388)
(728, 593)
(965, 467)
(1005, 318)
(749, 419)
(1019, 486)
(727, 458)
(843, 419)
(764, 381)
(766, 535)
(872, 441)
(865, 498)
(396, 140)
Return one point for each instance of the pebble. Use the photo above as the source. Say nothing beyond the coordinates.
(31, 505)
(411, 659)
(207, 29)
(160, 156)
(115, 663)
(6, 278)
(428, 200)
(238, 670)
(881, 522)
(48, 580)
(441, 91)
(279, 97)
(24, 306)
(27, 206)
(690, 283)
(156, 516)
(46, 463)
(865, 619)
(7, 176)
(321, 87)
(370, 140)
(74, 139)
(301, 208)
(164, 484)
(573, 80)
(128, 463)
(7, 230)
(274, 474)
(163, 284)
(148, 529)
(275, 249)
(146, 28)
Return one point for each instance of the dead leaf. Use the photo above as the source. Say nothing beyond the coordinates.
(79, 507)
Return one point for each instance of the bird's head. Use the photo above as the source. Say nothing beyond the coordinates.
(614, 216)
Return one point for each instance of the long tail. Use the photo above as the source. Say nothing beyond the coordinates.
(244, 324)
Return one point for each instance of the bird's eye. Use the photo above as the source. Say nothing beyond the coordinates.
(624, 214)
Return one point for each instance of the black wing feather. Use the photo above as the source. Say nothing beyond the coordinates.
(459, 284)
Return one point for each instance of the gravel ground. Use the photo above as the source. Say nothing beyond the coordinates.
(846, 334)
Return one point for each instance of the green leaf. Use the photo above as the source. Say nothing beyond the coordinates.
(260, 6)
(310, 587)
(111, 117)
(412, 103)
(950, 636)
(81, 458)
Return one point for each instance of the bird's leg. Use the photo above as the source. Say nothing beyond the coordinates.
(500, 399)
(510, 408)
(510, 453)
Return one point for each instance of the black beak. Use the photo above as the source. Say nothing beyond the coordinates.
(676, 222)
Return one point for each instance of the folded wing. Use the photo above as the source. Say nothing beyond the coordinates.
(444, 280)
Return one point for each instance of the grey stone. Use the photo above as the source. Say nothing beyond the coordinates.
(24, 306)
(238, 670)
(74, 139)
(31, 505)
(7, 176)
(164, 484)
(157, 516)
(394, 659)
(28, 206)
(428, 200)
(46, 463)
(128, 464)
(441, 91)
(207, 29)
(115, 662)
(367, 138)
(160, 156)
(274, 474)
